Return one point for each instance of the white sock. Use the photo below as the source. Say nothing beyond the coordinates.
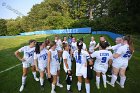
(23, 80)
(60, 59)
(113, 79)
(79, 85)
(57, 79)
(87, 85)
(41, 81)
(122, 80)
(68, 87)
(53, 87)
(46, 74)
(104, 78)
(98, 80)
(34, 74)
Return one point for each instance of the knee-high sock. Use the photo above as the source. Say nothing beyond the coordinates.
(23, 80)
(113, 79)
(53, 87)
(122, 80)
(98, 81)
(41, 81)
(57, 79)
(104, 78)
(68, 87)
(79, 85)
(34, 74)
(87, 85)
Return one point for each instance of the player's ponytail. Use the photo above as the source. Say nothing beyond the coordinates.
(37, 47)
(79, 45)
(130, 43)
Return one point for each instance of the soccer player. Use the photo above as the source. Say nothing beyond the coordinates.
(103, 58)
(92, 45)
(60, 51)
(121, 58)
(81, 56)
(67, 65)
(52, 66)
(73, 45)
(40, 59)
(102, 39)
(27, 61)
(114, 48)
(84, 45)
(65, 39)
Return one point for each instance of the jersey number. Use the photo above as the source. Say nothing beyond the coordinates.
(103, 59)
(78, 59)
(128, 54)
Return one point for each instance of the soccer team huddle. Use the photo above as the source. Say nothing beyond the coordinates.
(46, 58)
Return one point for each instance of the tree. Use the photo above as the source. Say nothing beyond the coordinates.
(3, 27)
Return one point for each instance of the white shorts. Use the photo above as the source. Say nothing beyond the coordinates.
(100, 68)
(27, 64)
(119, 65)
(53, 70)
(82, 72)
(42, 66)
(91, 50)
(58, 48)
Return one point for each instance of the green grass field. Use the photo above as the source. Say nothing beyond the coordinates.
(10, 81)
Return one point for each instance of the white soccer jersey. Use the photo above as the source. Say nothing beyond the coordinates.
(28, 53)
(58, 44)
(42, 56)
(102, 58)
(91, 46)
(74, 46)
(67, 56)
(81, 63)
(125, 54)
(116, 47)
(65, 42)
(84, 46)
(54, 58)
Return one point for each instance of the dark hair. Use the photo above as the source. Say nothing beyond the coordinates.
(32, 40)
(37, 47)
(47, 42)
(80, 46)
(130, 43)
(64, 45)
(52, 44)
(103, 45)
(82, 39)
(101, 36)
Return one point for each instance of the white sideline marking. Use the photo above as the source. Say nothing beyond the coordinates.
(10, 68)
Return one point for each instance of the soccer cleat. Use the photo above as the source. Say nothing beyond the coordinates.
(59, 85)
(53, 91)
(98, 87)
(105, 85)
(36, 79)
(120, 84)
(110, 84)
(21, 88)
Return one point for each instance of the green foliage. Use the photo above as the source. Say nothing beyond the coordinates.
(3, 27)
(121, 16)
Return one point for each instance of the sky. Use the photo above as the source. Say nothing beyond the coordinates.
(14, 8)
